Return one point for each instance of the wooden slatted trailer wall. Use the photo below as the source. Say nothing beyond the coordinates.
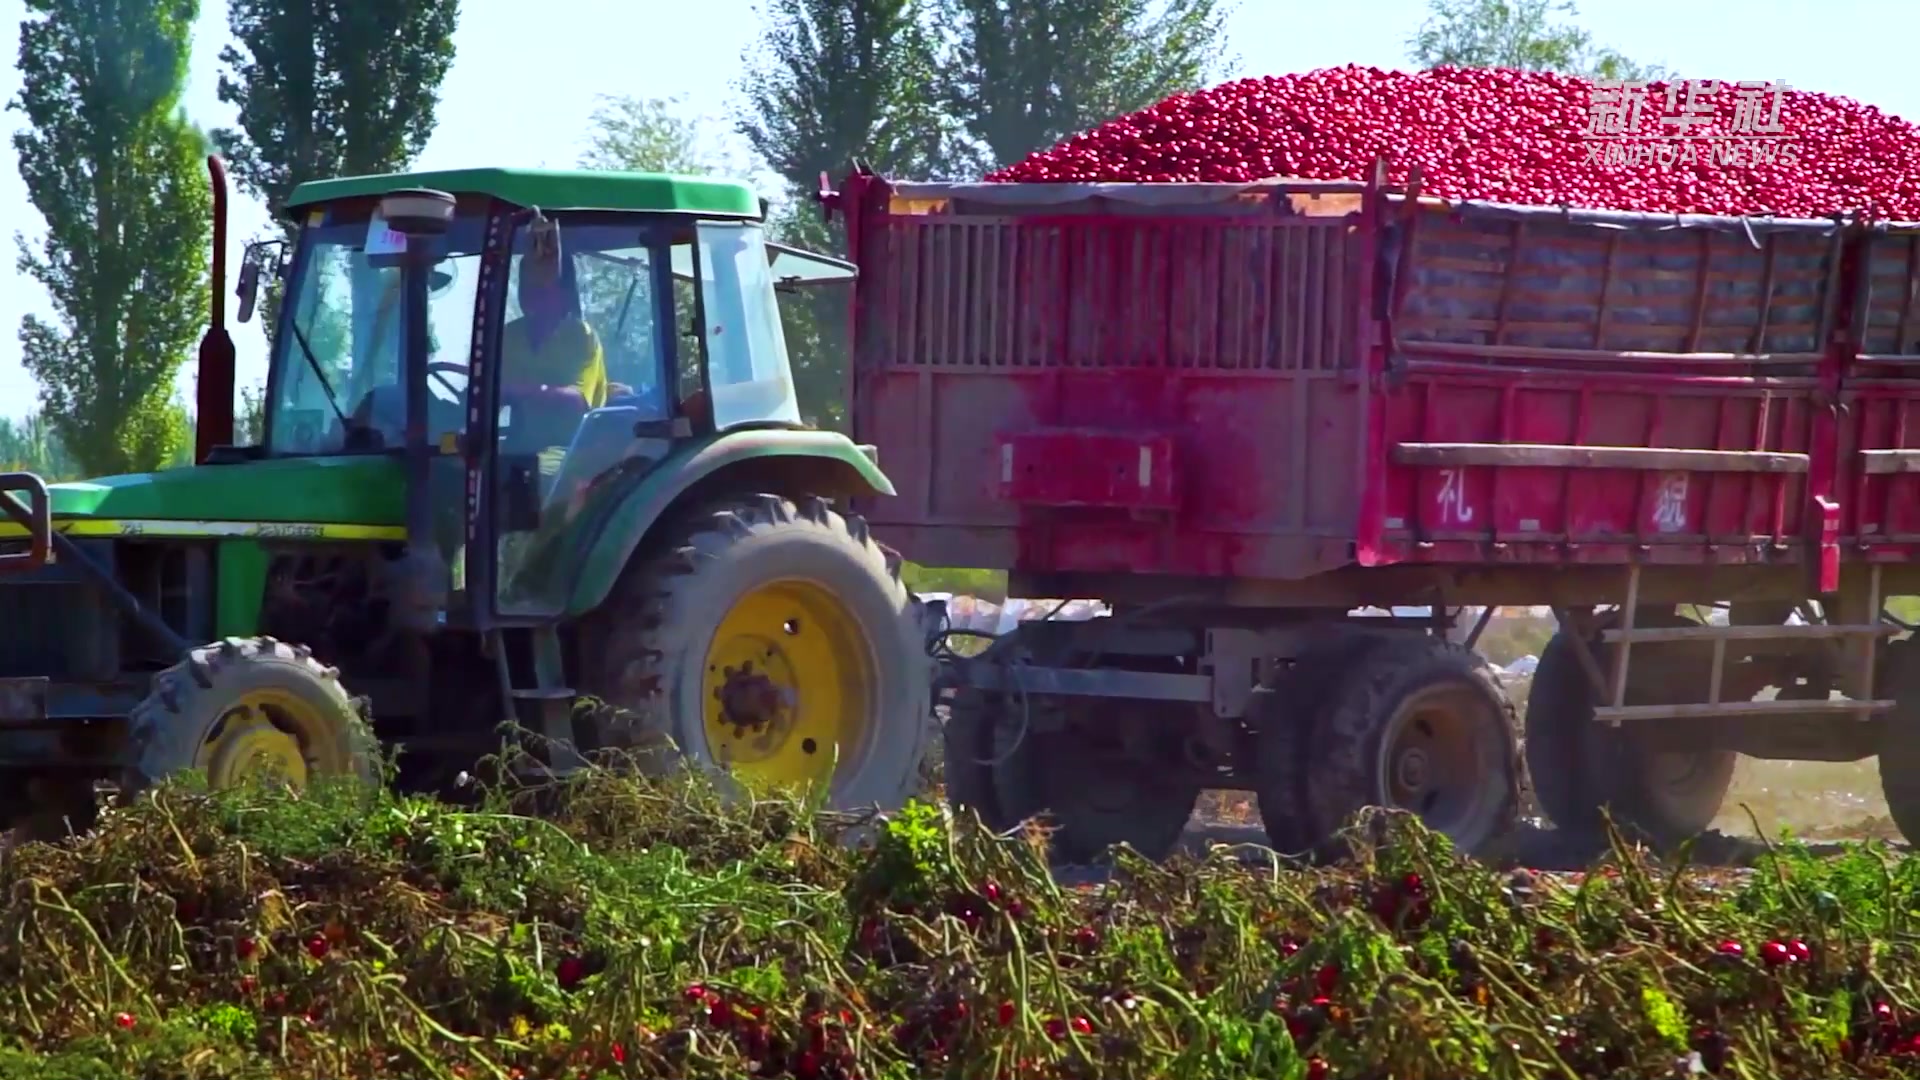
(1882, 401)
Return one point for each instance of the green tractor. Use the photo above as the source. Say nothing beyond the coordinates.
(530, 440)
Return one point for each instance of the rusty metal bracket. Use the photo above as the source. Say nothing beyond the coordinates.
(1579, 629)
(1088, 682)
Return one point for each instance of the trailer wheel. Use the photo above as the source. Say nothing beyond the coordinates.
(771, 641)
(1419, 724)
(1555, 736)
(1024, 758)
(1579, 766)
(248, 710)
(1900, 736)
(1282, 715)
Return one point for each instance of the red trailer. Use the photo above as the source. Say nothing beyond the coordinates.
(1238, 413)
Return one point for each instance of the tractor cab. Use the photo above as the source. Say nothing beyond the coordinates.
(556, 332)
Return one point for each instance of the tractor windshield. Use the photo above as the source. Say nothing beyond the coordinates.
(336, 384)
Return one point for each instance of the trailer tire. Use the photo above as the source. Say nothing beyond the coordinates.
(1401, 704)
(973, 744)
(1282, 716)
(1555, 736)
(1015, 757)
(1578, 766)
(1900, 736)
(804, 593)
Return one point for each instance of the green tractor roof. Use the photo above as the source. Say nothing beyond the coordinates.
(554, 189)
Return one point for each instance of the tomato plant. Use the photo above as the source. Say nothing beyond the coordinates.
(648, 929)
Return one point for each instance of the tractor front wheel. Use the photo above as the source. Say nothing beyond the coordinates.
(248, 710)
(773, 642)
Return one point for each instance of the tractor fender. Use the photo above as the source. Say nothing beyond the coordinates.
(775, 461)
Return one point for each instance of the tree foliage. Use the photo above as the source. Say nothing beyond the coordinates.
(833, 79)
(642, 134)
(117, 174)
(331, 87)
(1021, 75)
(30, 443)
(250, 419)
(1526, 34)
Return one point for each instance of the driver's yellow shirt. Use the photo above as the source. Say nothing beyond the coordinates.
(570, 356)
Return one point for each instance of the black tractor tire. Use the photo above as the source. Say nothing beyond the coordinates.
(1900, 736)
(1281, 716)
(219, 709)
(1404, 702)
(982, 729)
(645, 652)
(1579, 766)
(1011, 757)
(1556, 736)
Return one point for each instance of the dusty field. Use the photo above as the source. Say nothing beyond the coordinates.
(1816, 800)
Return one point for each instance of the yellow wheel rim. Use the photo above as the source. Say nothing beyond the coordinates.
(268, 736)
(788, 685)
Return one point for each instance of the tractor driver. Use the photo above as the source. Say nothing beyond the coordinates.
(551, 361)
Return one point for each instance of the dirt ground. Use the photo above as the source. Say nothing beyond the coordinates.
(1815, 800)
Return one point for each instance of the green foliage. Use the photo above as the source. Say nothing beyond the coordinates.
(1517, 34)
(250, 420)
(331, 88)
(116, 172)
(655, 928)
(328, 88)
(829, 81)
(637, 134)
(1509, 638)
(986, 584)
(30, 444)
(834, 79)
(1021, 75)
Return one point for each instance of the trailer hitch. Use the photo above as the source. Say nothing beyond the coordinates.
(36, 516)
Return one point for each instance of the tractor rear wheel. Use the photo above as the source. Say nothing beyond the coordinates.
(1579, 766)
(1417, 724)
(773, 642)
(248, 710)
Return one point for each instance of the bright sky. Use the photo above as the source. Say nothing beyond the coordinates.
(521, 88)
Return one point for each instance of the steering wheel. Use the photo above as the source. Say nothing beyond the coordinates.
(442, 368)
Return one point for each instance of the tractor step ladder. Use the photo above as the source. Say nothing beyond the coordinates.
(547, 708)
(1857, 704)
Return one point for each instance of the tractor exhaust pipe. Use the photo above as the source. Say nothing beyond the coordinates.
(213, 385)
